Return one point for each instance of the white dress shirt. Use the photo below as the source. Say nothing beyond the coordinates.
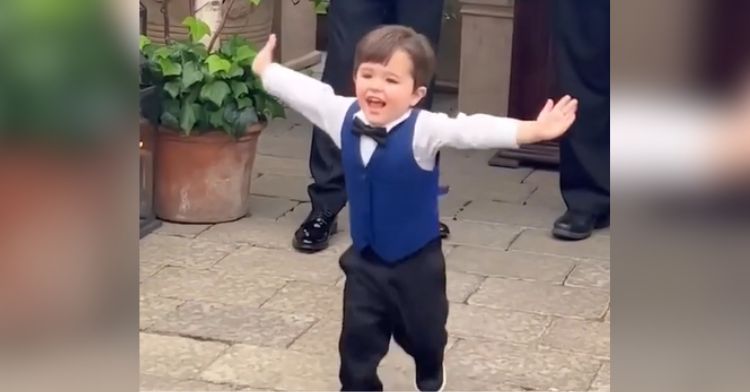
(317, 102)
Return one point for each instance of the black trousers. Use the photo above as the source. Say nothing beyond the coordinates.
(348, 22)
(406, 301)
(581, 34)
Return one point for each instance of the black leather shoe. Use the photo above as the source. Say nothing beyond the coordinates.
(314, 233)
(445, 232)
(574, 225)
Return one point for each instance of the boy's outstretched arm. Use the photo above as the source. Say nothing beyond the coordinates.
(480, 131)
(310, 97)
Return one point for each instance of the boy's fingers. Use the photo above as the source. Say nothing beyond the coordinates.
(271, 43)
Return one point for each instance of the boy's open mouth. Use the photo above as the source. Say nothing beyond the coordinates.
(375, 103)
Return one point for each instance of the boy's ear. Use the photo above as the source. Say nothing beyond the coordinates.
(418, 94)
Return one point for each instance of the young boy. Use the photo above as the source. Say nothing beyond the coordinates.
(395, 270)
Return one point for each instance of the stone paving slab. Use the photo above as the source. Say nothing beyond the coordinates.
(535, 297)
(480, 365)
(275, 185)
(590, 274)
(481, 234)
(461, 285)
(265, 367)
(179, 251)
(546, 198)
(181, 230)
(176, 357)
(478, 322)
(154, 308)
(267, 164)
(152, 383)
(602, 381)
(510, 264)
(270, 207)
(541, 241)
(316, 268)
(510, 214)
(235, 287)
(235, 323)
(586, 337)
(307, 298)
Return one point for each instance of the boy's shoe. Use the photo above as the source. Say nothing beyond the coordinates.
(314, 233)
(445, 232)
(434, 383)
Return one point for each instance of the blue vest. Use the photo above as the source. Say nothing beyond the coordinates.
(393, 203)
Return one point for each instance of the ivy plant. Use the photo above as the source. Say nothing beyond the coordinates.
(201, 91)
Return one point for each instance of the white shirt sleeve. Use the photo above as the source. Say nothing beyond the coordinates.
(310, 97)
(478, 131)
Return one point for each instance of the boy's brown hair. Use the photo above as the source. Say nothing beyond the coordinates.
(379, 45)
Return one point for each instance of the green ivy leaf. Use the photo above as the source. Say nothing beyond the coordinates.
(144, 42)
(274, 109)
(245, 117)
(238, 88)
(187, 118)
(216, 64)
(244, 102)
(191, 74)
(197, 28)
(235, 72)
(163, 52)
(171, 113)
(245, 55)
(169, 67)
(215, 92)
(254, 2)
(216, 119)
(173, 88)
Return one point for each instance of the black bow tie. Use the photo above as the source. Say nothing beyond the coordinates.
(379, 134)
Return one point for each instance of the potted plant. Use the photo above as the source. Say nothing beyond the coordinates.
(212, 111)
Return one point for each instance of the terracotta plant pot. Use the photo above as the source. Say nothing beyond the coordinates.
(203, 178)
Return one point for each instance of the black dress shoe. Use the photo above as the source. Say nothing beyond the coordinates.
(314, 233)
(445, 232)
(575, 225)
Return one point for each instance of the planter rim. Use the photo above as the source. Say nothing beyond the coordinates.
(212, 135)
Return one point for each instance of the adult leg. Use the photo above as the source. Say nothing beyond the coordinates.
(348, 22)
(425, 17)
(581, 32)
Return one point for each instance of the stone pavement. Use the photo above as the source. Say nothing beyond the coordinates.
(233, 307)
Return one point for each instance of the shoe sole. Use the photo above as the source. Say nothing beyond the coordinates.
(304, 248)
(573, 236)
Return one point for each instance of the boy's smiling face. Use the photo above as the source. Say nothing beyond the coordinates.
(386, 91)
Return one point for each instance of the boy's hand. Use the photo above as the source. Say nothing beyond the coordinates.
(265, 57)
(552, 122)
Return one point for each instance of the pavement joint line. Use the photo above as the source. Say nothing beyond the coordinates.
(278, 290)
(567, 276)
(514, 239)
(192, 337)
(533, 191)
(523, 180)
(309, 327)
(479, 286)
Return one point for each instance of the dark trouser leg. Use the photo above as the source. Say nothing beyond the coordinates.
(419, 290)
(425, 17)
(366, 327)
(348, 22)
(581, 30)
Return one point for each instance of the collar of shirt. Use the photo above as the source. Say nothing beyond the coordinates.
(388, 126)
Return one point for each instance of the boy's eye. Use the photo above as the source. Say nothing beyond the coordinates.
(391, 80)
(366, 75)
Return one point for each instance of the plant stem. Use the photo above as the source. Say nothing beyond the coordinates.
(165, 14)
(221, 26)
